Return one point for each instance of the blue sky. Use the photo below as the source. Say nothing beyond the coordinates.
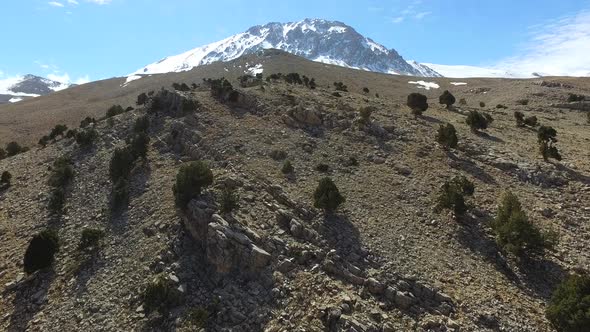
(77, 40)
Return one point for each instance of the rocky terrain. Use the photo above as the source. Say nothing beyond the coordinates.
(385, 261)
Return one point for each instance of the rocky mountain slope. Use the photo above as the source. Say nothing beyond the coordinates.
(385, 261)
(16, 89)
(315, 39)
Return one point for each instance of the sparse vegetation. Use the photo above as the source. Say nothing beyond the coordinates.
(61, 175)
(197, 317)
(531, 121)
(43, 141)
(339, 86)
(121, 163)
(58, 130)
(521, 121)
(139, 145)
(547, 137)
(462, 101)
(181, 87)
(515, 233)
(13, 148)
(572, 97)
(229, 199)
(221, 89)
(85, 138)
(41, 250)
(114, 111)
(477, 121)
(141, 99)
(569, 307)
(447, 136)
(452, 195)
(447, 99)
(365, 114)
(5, 178)
(418, 103)
(87, 121)
(523, 102)
(142, 124)
(160, 294)
(500, 106)
(366, 90)
(482, 104)
(327, 196)
(287, 167)
(190, 180)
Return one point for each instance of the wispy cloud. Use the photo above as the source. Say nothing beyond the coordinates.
(375, 9)
(421, 15)
(65, 78)
(72, 2)
(100, 2)
(55, 4)
(413, 11)
(558, 47)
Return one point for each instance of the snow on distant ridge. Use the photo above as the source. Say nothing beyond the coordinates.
(459, 71)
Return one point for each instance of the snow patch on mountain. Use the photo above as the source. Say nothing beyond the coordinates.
(315, 39)
(425, 85)
(459, 71)
(28, 86)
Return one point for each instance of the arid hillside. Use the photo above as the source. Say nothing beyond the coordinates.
(253, 250)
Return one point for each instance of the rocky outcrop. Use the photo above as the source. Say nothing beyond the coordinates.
(228, 249)
(171, 103)
(300, 116)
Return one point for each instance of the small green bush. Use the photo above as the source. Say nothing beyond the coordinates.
(569, 307)
(336, 94)
(58, 130)
(229, 199)
(482, 104)
(139, 145)
(142, 124)
(447, 99)
(71, 133)
(141, 99)
(287, 167)
(86, 137)
(519, 117)
(339, 86)
(6, 177)
(447, 136)
(451, 195)
(198, 317)
(62, 172)
(190, 180)
(327, 196)
(365, 114)
(43, 141)
(418, 103)
(13, 148)
(476, 121)
(160, 294)
(180, 87)
(41, 251)
(87, 121)
(515, 233)
(531, 121)
(366, 90)
(90, 238)
(222, 89)
(547, 137)
(572, 97)
(500, 106)
(462, 101)
(2, 153)
(115, 110)
(57, 200)
(121, 164)
(523, 102)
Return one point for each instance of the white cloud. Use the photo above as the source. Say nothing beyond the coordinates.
(398, 19)
(65, 78)
(559, 47)
(55, 4)
(421, 15)
(1, 73)
(72, 2)
(100, 2)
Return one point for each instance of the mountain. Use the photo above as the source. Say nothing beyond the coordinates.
(318, 40)
(15, 89)
(462, 71)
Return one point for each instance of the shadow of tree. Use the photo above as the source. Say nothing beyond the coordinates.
(29, 299)
(572, 173)
(471, 168)
(489, 137)
(536, 275)
(344, 237)
(88, 264)
(430, 119)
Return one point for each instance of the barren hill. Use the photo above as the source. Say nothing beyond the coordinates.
(386, 260)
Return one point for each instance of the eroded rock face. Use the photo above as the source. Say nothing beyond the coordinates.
(304, 116)
(227, 249)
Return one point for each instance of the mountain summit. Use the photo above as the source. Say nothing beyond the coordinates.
(319, 40)
(22, 87)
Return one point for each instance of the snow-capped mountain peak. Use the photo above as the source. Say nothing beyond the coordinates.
(319, 40)
(17, 88)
